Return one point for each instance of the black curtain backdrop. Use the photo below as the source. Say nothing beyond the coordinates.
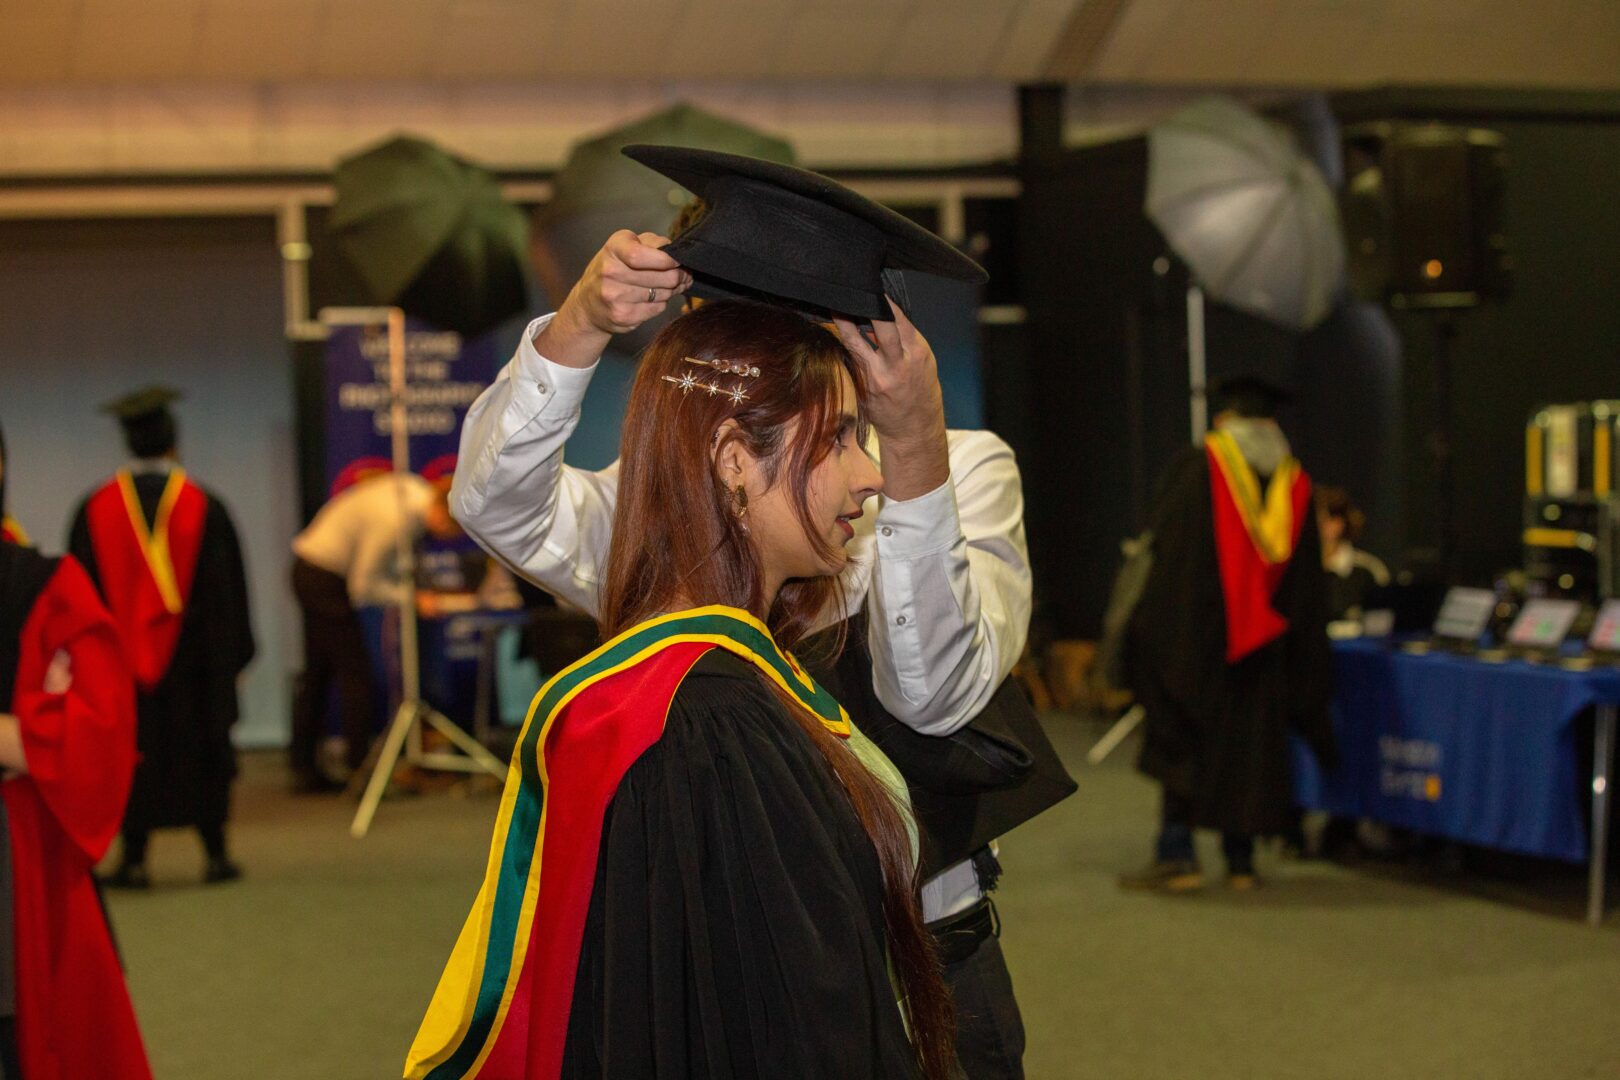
(1103, 397)
(1556, 339)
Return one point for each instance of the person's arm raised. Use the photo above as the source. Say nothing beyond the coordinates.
(512, 492)
(628, 282)
(904, 402)
(948, 609)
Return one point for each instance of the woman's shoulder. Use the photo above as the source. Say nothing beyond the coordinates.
(723, 686)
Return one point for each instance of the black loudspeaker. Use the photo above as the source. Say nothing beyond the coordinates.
(1422, 212)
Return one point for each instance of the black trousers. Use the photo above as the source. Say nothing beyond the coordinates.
(10, 1063)
(136, 839)
(989, 1027)
(334, 651)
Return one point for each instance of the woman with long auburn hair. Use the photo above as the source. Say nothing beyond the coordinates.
(700, 867)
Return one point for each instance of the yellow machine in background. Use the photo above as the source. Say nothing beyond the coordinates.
(1571, 509)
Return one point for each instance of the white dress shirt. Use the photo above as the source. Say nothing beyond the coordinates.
(356, 535)
(946, 574)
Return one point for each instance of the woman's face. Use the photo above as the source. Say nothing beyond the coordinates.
(838, 487)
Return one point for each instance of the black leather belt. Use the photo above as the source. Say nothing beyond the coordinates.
(958, 936)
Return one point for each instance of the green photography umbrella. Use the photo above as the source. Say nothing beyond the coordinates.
(597, 177)
(598, 190)
(431, 234)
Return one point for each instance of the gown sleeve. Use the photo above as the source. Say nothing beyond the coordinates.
(79, 741)
(1177, 636)
(735, 928)
(220, 600)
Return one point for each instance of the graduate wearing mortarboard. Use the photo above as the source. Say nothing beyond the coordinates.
(67, 753)
(1227, 649)
(165, 556)
(938, 582)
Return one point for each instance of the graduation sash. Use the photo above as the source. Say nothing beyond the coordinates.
(501, 1008)
(146, 570)
(12, 532)
(1255, 535)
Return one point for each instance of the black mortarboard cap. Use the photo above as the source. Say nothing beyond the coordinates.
(1249, 395)
(148, 424)
(784, 232)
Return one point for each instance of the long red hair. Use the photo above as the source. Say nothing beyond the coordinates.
(677, 540)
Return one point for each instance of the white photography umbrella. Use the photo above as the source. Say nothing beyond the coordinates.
(1250, 215)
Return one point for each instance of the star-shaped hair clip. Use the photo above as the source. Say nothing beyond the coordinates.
(738, 393)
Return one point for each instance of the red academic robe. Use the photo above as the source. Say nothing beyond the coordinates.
(74, 1017)
(146, 572)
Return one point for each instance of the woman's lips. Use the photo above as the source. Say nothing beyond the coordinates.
(844, 522)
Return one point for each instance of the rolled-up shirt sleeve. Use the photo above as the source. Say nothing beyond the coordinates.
(951, 592)
(547, 521)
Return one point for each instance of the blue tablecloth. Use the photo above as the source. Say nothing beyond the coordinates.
(1484, 753)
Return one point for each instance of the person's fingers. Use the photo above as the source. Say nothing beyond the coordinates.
(850, 335)
(643, 252)
(888, 337)
(901, 319)
(670, 280)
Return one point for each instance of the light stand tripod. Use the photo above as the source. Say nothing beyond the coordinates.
(404, 735)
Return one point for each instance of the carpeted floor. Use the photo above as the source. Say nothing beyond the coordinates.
(318, 965)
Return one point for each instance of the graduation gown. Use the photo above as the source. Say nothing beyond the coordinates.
(984, 780)
(709, 905)
(165, 556)
(73, 1011)
(1216, 729)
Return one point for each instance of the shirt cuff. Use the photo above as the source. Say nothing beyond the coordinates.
(561, 386)
(913, 528)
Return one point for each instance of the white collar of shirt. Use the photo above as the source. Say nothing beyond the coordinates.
(1342, 561)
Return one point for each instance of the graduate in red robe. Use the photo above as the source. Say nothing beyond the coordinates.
(164, 555)
(67, 748)
(1227, 649)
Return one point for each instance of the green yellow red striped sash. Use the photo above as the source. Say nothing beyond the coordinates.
(475, 994)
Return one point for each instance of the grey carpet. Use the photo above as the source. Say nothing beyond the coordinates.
(319, 964)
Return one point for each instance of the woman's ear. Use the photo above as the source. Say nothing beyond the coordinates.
(731, 460)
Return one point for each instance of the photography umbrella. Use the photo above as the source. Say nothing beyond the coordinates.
(599, 190)
(1251, 216)
(431, 234)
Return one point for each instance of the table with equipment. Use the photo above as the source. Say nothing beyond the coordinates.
(1483, 752)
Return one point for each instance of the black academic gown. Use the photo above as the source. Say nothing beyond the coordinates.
(735, 930)
(967, 789)
(183, 726)
(1215, 733)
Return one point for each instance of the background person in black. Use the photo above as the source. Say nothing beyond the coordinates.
(1352, 574)
(186, 709)
(1217, 727)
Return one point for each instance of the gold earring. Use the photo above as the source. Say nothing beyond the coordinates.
(739, 499)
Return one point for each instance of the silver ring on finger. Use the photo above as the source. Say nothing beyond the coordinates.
(652, 296)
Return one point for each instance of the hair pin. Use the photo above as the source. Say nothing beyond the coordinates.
(725, 367)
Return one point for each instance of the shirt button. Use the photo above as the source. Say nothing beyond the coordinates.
(887, 531)
(901, 621)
